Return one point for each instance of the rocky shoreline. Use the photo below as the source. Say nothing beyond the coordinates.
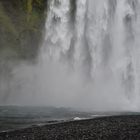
(103, 128)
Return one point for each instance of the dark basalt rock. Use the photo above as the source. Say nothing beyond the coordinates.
(104, 128)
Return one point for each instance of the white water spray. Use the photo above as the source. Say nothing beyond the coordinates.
(89, 61)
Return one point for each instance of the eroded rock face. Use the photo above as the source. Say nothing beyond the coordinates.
(21, 24)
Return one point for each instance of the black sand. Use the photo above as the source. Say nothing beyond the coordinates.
(105, 128)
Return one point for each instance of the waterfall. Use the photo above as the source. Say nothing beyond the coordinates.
(89, 56)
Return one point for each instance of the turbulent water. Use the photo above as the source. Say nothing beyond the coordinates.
(89, 58)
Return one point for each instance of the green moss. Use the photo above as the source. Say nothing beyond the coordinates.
(29, 9)
(6, 22)
(21, 23)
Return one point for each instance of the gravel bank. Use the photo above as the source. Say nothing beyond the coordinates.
(104, 128)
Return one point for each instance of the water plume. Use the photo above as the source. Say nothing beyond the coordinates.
(89, 58)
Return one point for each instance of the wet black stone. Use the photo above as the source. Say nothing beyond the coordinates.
(104, 128)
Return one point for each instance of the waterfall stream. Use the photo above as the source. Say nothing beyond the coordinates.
(89, 57)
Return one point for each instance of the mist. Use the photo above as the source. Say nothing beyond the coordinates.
(53, 84)
(89, 62)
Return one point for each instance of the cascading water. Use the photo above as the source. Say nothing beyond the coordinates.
(89, 57)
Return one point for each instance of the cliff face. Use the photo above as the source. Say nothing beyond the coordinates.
(21, 23)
